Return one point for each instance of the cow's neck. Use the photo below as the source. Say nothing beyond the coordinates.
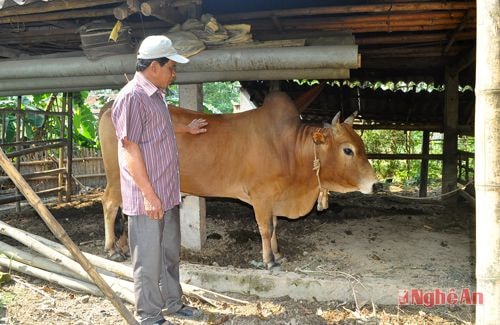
(302, 193)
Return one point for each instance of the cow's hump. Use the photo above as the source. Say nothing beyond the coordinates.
(280, 106)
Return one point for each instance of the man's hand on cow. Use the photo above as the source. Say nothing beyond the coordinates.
(153, 207)
(197, 126)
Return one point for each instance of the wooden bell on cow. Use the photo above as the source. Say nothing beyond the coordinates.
(322, 200)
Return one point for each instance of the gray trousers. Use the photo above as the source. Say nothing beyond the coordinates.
(155, 250)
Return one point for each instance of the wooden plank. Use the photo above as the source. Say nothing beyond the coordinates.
(17, 198)
(31, 176)
(35, 149)
(55, 5)
(71, 14)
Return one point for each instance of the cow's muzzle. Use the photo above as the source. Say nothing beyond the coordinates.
(377, 187)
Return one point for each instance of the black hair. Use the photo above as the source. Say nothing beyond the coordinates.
(142, 64)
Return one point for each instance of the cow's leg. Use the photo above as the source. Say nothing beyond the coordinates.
(265, 223)
(274, 241)
(110, 203)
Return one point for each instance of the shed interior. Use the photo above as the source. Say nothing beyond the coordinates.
(414, 63)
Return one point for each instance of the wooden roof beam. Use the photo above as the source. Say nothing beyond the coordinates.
(345, 22)
(163, 10)
(277, 24)
(71, 14)
(55, 5)
(470, 15)
(464, 60)
(389, 7)
(412, 38)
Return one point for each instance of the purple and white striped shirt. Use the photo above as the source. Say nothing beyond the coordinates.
(141, 115)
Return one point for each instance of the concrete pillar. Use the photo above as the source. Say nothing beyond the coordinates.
(487, 165)
(193, 209)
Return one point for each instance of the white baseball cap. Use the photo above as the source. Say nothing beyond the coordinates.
(159, 46)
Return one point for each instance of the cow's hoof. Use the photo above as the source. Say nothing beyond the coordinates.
(117, 257)
(279, 258)
(273, 266)
(258, 265)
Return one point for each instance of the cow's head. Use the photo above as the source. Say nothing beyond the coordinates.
(344, 166)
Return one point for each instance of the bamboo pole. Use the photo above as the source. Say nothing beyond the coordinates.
(100, 262)
(61, 280)
(126, 272)
(40, 262)
(487, 173)
(61, 235)
(124, 288)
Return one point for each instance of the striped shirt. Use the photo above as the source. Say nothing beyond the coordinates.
(141, 115)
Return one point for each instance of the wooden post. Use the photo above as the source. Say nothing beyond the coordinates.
(424, 165)
(193, 208)
(62, 236)
(449, 180)
(487, 172)
(69, 158)
(18, 147)
(60, 178)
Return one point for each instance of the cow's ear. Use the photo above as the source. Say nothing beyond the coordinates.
(350, 119)
(319, 137)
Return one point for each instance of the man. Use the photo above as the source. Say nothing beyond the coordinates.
(149, 175)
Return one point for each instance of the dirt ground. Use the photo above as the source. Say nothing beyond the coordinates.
(413, 243)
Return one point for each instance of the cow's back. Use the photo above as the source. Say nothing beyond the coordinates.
(238, 151)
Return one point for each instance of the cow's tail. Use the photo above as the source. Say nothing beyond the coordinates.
(120, 223)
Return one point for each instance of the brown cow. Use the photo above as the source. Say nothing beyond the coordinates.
(263, 157)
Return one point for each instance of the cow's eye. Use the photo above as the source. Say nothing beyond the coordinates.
(348, 151)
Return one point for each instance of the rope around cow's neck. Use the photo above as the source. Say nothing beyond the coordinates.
(323, 192)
